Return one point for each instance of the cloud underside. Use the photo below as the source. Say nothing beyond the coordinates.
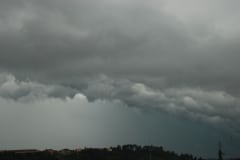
(216, 108)
(180, 58)
(160, 43)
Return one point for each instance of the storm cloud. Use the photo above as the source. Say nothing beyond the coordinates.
(63, 42)
(169, 56)
(217, 108)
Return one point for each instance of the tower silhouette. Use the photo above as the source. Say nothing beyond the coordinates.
(220, 153)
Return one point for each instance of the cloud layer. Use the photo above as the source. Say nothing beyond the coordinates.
(211, 106)
(217, 108)
(195, 45)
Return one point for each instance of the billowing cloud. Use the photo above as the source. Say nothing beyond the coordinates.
(214, 107)
(217, 108)
(11, 88)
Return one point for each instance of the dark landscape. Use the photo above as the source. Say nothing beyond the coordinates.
(125, 152)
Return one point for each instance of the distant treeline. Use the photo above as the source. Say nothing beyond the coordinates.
(125, 152)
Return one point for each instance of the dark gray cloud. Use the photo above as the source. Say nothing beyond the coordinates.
(213, 107)
(187, 46)
(175, 57)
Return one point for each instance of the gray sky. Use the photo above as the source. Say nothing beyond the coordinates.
(100, 73)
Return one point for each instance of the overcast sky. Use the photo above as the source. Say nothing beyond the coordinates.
(105, 72)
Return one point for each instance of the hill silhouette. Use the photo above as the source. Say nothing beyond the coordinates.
(125, 152)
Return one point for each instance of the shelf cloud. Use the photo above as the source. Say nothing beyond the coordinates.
(217, 108)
